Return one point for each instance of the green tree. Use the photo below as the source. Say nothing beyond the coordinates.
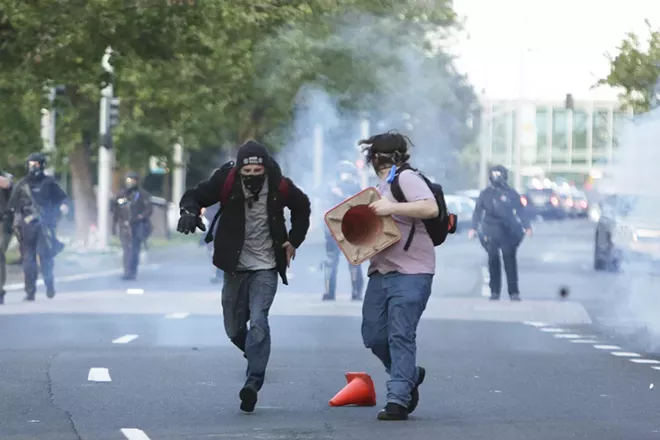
(635, 69)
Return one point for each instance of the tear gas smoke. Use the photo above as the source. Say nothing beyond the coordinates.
(637, 234)
(398, 84)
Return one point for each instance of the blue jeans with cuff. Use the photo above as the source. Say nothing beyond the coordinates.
(393, 305)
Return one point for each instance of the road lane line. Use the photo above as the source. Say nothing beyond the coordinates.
(607, 347)
(79, 277)
(645, 361)
(99, 375)
(135, 291)
(625, 354)
(125, 339)
(177, 315)
(535, 324)
(656, 368)
(567, 336)
(134, 434)
(551, 330)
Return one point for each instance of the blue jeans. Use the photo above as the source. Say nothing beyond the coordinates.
(393, 305)
(247, 296)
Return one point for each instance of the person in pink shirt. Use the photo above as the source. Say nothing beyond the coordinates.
(399, 279)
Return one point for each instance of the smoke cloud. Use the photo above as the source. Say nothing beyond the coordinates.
(637, 233)
(396, 83)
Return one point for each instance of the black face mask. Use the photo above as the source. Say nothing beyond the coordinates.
(34, 171)
(254, 182)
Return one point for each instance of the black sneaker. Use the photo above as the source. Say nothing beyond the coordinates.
(50, 293)
(2, 297)
(248, 396)
(494, 297)
(327, 297)
(414, 394)
(515, 297)
(393, 411)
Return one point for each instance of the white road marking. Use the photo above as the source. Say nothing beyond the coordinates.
(607, 347)
(135, 291)
(125, 339)
(551, 330)
(79, 277)
(645, 361)
(584, 341)
(485, 277)
(177, 315)
(134, 434)
(99, 375)
(625, 354)
(650, 386)
(548, 257)
(567, 336)
(656, 368)
(535, 324)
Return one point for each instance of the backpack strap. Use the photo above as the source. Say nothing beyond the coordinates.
(283, 189)
(224, 197)
(397, 193)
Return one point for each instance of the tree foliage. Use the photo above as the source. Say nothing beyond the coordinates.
(636, 69)
(212, 72)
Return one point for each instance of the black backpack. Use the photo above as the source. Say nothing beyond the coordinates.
(439, 227)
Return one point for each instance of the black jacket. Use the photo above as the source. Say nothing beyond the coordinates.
(230, 229)
(496, 208)
(46, 197)
(131, 206)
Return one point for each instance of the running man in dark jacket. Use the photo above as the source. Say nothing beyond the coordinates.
(252, 247)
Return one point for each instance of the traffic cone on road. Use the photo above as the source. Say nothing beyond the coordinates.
(359, 391)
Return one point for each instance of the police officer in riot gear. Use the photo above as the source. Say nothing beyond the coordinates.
(132, 211)
(346, 185)
(6, 221)
(501, 222)
(36, 201)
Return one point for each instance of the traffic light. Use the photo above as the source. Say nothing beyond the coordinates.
(113, 114)
(569, 102)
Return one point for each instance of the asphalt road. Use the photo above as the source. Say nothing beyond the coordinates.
(149, 359)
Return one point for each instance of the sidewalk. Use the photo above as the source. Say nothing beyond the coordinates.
(80, 262)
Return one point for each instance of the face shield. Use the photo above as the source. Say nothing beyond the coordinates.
(130, 183)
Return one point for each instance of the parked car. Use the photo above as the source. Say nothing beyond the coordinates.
(580, 203)
(628, 227)
(463, 207)
(543, 202)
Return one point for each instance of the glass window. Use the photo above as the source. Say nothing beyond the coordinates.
(620, 120)
(542, 115)
(600, 132)
(580, 119)
(559, 143)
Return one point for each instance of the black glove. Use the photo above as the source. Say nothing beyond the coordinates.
(189, 222)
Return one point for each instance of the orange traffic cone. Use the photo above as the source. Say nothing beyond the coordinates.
(359, 391)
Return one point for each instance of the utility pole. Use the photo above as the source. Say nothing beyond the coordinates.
(178, 172)
(105, 155)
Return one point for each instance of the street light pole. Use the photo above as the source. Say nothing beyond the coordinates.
(105, 157)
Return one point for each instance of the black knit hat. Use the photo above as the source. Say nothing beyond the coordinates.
(252, 153)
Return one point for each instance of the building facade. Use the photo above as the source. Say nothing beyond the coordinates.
(532, 137)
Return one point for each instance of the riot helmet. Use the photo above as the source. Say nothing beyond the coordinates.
(498, 176)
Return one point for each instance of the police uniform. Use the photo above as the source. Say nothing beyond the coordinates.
(346, 186)
(132, 211)
(501, 222)
(36, 201)
(6, 220)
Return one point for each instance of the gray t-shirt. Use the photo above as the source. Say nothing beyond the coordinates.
(257, 252)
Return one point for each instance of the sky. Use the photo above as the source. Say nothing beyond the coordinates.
(544, 49)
